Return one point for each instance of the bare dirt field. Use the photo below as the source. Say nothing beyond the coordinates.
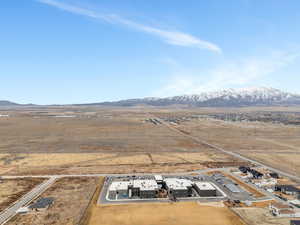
(190, 213)
(71, 199)
(260, 216)
(11, 190)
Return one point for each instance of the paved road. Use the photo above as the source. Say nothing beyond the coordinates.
(294, 177)
(114, 174)
(27, 198)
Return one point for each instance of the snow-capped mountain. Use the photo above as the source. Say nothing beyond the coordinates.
(228, 97)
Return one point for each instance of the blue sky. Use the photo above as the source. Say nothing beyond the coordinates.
(76, 51)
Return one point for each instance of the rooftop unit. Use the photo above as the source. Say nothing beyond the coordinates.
(158, 178)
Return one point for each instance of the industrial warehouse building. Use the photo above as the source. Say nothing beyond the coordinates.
(179, 187)
(205, 189)
(133, 188)
(143, 189)
(118, 188)
(150, 188)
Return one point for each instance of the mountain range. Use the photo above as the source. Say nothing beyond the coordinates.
(261, 96)
(224, 98)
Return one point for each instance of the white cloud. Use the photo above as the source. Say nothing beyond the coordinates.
(239, 73)
(171, 37)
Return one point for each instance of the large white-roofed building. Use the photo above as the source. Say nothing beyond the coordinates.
(205, 189)
(143, 188)
(179, 187)
(133, 188)
(118, 188)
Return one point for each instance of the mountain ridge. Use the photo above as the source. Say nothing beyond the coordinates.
(227, 97)
(261, 96)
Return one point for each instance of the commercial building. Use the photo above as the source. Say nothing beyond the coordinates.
(118, 188)
(179, 187)
(133, 188)
(143, 189)
(205, 189)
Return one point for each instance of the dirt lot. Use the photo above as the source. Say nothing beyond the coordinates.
(72, 196)
(260, 216)
(11, 190)
(190, 213)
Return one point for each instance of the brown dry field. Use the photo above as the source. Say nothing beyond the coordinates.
(276, 145)
(190, 213)
(114, 140)
(260, 216)
(96, 140)
(71, 199)
(12, 190)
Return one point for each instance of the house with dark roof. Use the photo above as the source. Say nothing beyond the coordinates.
(287, 189)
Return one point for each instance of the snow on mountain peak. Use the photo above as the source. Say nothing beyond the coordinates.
(241, 95)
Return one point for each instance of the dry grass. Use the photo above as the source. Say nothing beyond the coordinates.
(274, 144)
(72, 196)
(96, 140)
(260, 216)
(163, 214)
(118, 140)
(11, 190)
(53, 159)
(286, 161)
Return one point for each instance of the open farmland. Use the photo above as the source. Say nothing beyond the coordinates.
(190, 213)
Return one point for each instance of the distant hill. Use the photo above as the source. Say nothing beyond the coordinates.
(223, 98)
(7, 103)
